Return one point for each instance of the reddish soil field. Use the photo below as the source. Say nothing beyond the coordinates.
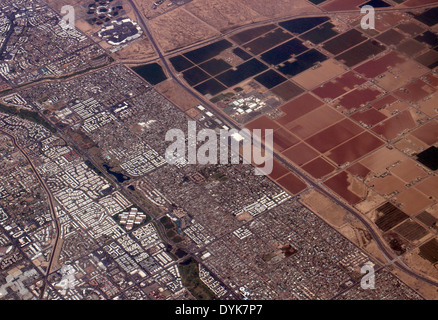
(262, 123)
(432, 79)
(355, 148)
(334, 135)
(392, 127)
(319, 168)
(314, 121)
(283, 139)
(384, 102)
(300, 154)
(373, 68)
(359, 170)
(340, 184)
(427, 133)
(356, 98)
(369, 117)
(338, 5)
(299, 107)
(292, 183)
(415, 91)
(337, 87)
(278, 170)
(387, 20)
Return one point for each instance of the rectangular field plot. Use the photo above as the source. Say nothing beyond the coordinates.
(300, 154)
(242, 54)
(429, 158)
(292, 183)
(344, 42)
(287, 90)
(314, 121)
(302, 62)
(301, 25)
(320, 33)
(429, 38)
(391, 217)
(180, 63)
(429, 59)
(338, 5)
(393, 127)
(248, 35)
(270, 79)
(283, 140)
(429, 17)
(411, 231)
(429, 251)
(194, 76)
(360, 53)
(284, 52)
(205, 53)
(313, 77)
(339, 86)
(369, 117)
(334, 135)
(244, 71)
(427, 219)
(267, 41)
(318, 168)
(373, 68)
(215, 66)
(212, 87)
(355, 148)
(358, 98)
(390, 37)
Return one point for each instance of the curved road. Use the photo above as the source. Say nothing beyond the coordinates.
(380, 243)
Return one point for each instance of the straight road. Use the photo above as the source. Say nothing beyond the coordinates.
(389, 254)
(51, 206)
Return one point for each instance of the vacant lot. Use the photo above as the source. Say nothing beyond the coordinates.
(179, 28)
(223, 14)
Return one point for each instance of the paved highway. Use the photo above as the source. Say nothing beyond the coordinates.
(51, 206)
(389, 254)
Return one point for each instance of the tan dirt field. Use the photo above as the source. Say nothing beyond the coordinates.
(223, 14)
(426, 290)
(430, 106)
(412, 201)
(401, 74)
(372, 200)
(178, 28)
(380, 160)
(410, 144)
(138, 51)
(325, 208)
(387, 185)
(281, 8)
(429, 186)
(310, 78)
(175, 93)
(338, 218)
(408, 170)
